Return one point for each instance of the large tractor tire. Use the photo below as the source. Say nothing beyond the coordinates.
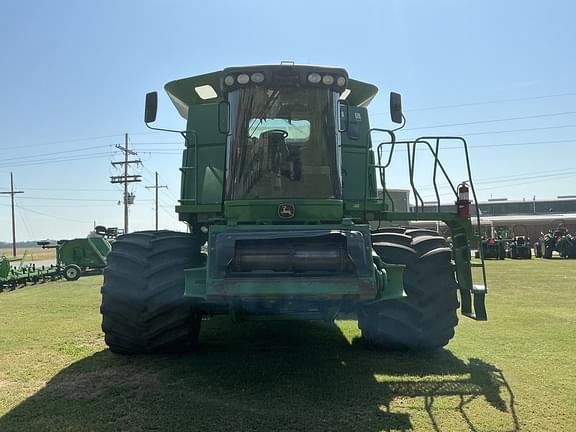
(143, 307)
(426, 318)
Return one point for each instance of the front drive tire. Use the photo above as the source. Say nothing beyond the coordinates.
(426, 318)
(143, 307)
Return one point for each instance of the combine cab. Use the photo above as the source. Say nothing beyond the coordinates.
(279, 182)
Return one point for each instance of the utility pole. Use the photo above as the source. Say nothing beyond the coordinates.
(12, 193)
(125, 179)
(156, 187)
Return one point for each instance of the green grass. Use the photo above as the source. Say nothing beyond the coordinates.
(514, 372)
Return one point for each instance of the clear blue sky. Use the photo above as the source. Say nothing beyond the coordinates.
(74, 74)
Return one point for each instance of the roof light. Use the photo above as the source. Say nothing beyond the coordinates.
(257, 77)
(206, 92)
(340, 81)
(345, 94)
(328, 79)
(243, 78)
(314, 78)
(229, 80)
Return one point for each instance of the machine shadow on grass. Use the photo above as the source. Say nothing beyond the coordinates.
(270, 376)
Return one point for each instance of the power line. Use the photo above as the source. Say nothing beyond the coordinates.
(166, 191)
(478, 146)
(126, 179)
(53, 161)
(71, 189)
(516, 177)
(75, 199)
(493, 120)
(508, 184)
(156, 187)
(514, 130)
(45, 144)
(34, 156)
(490, 102)
(54, 217)
(12, 193)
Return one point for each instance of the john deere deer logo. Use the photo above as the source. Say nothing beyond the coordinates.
(286, 211)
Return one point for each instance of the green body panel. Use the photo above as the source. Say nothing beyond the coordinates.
(88, 252)
(4, 267)
(379, 282)
(202, 163)
(204, 183)
(354, 153)
(267, 211)
(358, 181)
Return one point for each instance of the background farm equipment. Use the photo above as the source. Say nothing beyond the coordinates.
(493, 248)
(519, 246)
(12, 277)
(558, 240)
(82, 256)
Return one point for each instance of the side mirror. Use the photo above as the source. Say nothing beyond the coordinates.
(396, 107)
(151, 107)
(224, 117)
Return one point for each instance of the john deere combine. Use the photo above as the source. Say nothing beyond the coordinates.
(279, 182)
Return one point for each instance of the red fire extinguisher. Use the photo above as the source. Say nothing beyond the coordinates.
(463, 203)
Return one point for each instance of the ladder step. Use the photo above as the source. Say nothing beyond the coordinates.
(478, 289)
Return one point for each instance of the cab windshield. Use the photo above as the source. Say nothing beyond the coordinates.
(283, 144)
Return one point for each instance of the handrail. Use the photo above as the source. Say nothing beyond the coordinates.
(367, 164)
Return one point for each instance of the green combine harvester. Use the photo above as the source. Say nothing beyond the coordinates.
(279, 183)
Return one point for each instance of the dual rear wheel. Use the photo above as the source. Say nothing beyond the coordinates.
(143, 305)
(144, 309)
(426, 317)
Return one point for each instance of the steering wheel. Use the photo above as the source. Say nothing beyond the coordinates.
(277, 131)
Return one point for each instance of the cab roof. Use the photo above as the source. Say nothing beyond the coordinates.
(207, 88)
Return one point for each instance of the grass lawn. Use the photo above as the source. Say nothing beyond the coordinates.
(512, 373)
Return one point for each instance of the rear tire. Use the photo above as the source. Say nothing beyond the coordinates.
(426, 318)
(143, 305)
